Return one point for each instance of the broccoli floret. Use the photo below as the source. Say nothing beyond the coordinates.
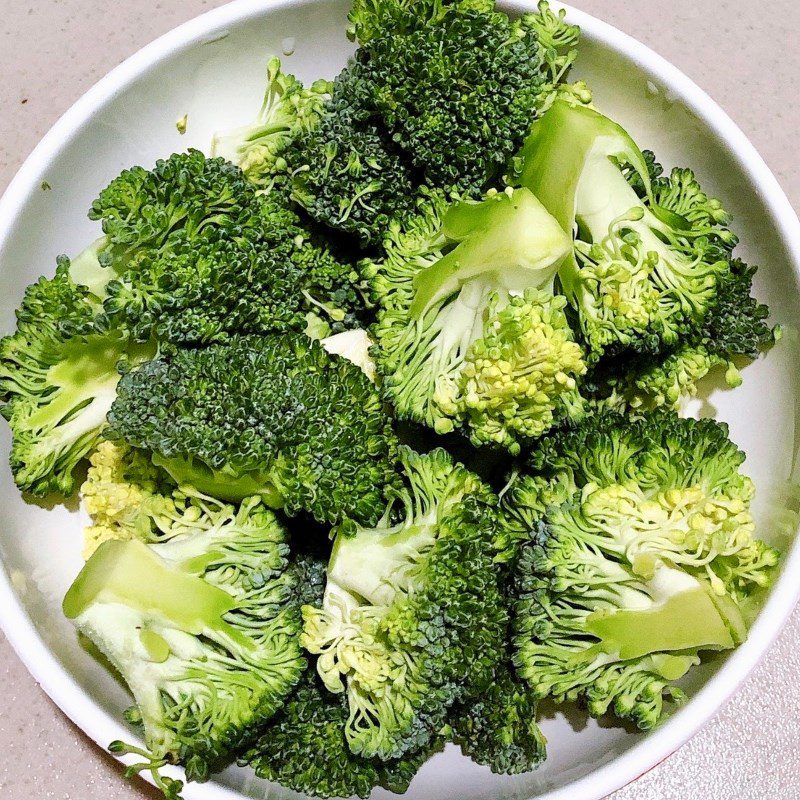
(289, 110)
(305, 749)
(203, 627)
(647, 563)
(58, 377)
(736, 326)
(457, 96)
(346, 172)
(199, 254)
(646, 267)
(469, 331)
(275, 416)
(412, 611)
(497, 727)
(371, 19)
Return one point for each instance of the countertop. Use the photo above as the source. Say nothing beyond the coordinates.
(744, 54)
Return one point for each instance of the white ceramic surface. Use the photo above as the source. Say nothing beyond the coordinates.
(212, 69)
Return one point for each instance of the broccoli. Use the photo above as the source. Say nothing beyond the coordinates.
(647, 563)
(469, 331)
(304, 749)
(735, 327)
(647, 266)
(346, 172)
(203, 626)
(200, 255)
(372, 19)
(275, 416)
(393, 123)
(412, 610)
(289, 109)
(497, 727)
(58, 375)
(457, 96)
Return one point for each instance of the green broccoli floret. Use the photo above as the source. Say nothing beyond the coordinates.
(735, 327)
(646, 267)
(497, 727)
(289, 110)
(412, 612)
(275, 416)
(304, 749)
(346, 172)
(203, 627)
(371, 19)
(199, 254)
(469, 331)
(457, 96)
(58, 376)
(647, 564)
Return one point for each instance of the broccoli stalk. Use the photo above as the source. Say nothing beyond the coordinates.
(644, 272)
(469, 330)
(203, 628)
(412, 610)
(647, 562)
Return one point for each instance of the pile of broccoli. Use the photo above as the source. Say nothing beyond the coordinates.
(264, 375)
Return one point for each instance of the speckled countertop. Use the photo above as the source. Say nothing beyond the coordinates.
(745, 54)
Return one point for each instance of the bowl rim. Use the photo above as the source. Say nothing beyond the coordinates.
(101, 726)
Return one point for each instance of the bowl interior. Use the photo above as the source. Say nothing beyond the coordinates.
(218, 81)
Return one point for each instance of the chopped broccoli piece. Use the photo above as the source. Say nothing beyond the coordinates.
(457, 96)
(497, 727)
(304, 749)
(469, 331)
(412, 611)
(289, 110)
(58, 377)
(372, 19)
(646, 268)
(644, 566)
(275, 416)
(203, 627)
(346, 172)
(734, 327)
(200, 255)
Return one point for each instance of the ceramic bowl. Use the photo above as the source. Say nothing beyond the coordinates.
(212, 69)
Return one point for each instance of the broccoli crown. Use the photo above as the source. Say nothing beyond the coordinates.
(645, 565)
(275, 415)
(497, 727)
(735, 326)
(457, 96)
(198, 255)
(289, 109)
(58, 377)
(203, 627)
(304, 749)
(371, 19)
(412, 611)
(469, 332)
(649, 255)
(346, 172)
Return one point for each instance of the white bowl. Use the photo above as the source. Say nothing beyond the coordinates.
(213, 69)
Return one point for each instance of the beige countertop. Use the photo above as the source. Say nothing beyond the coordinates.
(745, 54)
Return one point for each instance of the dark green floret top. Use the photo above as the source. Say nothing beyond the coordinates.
(276, 416)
